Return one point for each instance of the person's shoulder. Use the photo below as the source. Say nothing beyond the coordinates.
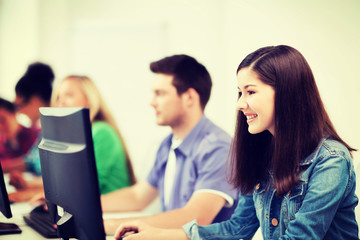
(215, 134)
(331, 149)
(101, 127)
(334, 147)
(329, 154)
(101, 124)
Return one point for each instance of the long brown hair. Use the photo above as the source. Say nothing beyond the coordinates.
(301, 122)
(99, 111)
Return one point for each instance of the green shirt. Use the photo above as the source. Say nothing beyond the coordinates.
(110, 158)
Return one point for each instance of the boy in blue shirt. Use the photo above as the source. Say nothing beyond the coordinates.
(189, 173)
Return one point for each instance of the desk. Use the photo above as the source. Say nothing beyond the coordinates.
(18, 210)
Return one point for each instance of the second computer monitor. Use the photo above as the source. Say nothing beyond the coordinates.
(4, 200)
(69, 173)
(6, 228)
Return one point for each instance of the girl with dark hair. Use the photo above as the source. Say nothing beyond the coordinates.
(295, 174)
(33, 90)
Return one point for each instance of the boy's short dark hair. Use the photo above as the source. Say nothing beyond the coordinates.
(188, 73)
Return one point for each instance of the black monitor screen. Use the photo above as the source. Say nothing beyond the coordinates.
(4, 199)
(6, 228)
(69, 173)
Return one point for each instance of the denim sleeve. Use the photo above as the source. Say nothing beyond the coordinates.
(242, 224)
(329, 182)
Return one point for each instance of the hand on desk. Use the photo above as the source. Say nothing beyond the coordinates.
(132, 231)
(38, 198)
(112, 224)
(138, 230)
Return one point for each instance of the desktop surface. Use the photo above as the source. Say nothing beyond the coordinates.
(18, 210)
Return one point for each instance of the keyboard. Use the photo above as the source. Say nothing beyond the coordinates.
(40, 220)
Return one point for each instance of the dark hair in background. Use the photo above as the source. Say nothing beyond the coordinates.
(7, 105)
(37, 81)
(300, 122)
(188, 73)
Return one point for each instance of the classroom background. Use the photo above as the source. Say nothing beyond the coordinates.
(113, 42)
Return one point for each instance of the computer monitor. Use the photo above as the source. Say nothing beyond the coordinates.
(6, 228)
(69, 173)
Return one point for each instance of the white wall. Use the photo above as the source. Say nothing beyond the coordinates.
(114, 40)
(18, 41)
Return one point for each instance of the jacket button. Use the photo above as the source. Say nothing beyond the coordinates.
(274, 222)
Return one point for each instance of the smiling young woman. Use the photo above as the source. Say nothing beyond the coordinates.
(295, 174)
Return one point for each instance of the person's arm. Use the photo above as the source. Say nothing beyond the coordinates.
(242, 225)
(24, 195)
(202, 206)
(145, 232)
(17, 180)
(25, 190)
(36, 182)
(134, 198)
(14, 164)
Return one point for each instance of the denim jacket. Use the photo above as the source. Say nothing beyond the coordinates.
(320, 207)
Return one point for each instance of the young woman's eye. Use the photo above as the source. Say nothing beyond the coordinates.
(251, 92)
(240, 93)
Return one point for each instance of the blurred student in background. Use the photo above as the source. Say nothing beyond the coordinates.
(15, 139)
(112, 159)
(33, 91)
